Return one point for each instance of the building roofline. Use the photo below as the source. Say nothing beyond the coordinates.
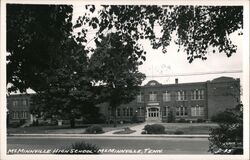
(173, 84)
(20, 94)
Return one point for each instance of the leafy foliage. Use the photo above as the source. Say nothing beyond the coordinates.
(230, 130)
(194, 28)
(94, 129)
(154, 129)
(69, 93)
(81, 148)
(114, 66)
(36, 37)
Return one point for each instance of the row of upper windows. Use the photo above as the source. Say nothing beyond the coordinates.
(197, 94)
(18, 102)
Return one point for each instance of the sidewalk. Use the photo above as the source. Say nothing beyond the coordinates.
(137, 128)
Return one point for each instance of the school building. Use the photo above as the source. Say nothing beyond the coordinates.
(157, 102)
(173, 102)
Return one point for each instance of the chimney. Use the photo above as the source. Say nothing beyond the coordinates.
(176, 80)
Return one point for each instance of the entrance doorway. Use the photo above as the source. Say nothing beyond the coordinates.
(153, 114)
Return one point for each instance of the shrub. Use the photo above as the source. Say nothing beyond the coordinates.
(14, 125)
(182, 121)
(135, 119)
(154, 129)
(200, 120)
(22, 122)
(94, 129)
(171, 117)
(230, 130)
(178, 132)
(81, 148)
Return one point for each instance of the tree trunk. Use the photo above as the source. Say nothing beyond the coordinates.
(72, 122)
(114, 116)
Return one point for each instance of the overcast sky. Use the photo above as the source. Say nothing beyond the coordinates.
(173, 63)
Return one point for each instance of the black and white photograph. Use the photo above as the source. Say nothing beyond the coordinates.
(124, 79)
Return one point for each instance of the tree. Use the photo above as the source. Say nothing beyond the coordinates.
(196, 27)
(44, 56)
(171, 117)
(114, 65)
(230, 130)
(36, 37)
(35, 32)
(69, 93)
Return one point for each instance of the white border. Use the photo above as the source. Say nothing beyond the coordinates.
(245, 3)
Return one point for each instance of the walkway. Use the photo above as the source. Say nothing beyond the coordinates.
(138, 129)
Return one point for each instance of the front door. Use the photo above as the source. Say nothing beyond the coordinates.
(153, 114)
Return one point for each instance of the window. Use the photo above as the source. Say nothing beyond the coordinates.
(197, 94)
(22, 114)
(152, 97)
(181, 96)
(25, 115)
(128, 112)
(15, 102)
(139, 98)
(197, 110)
(181, 111)
(166, 96)
(25, 102)
(15, 115)
(165, 111)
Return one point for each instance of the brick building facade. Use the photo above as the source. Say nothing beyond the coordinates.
(159, 102)
(173, 102)
(18, 107)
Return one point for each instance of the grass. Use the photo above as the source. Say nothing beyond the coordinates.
(170, 128)
(189, 128)
(64, 129)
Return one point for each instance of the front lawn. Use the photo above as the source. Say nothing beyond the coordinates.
(188, 128)
(64, 129)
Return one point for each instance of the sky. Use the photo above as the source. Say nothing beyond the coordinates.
(173, 64)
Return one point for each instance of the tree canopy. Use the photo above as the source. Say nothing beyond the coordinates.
(114, 67)
(193, 28)
(37, 35)
(69, 92)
